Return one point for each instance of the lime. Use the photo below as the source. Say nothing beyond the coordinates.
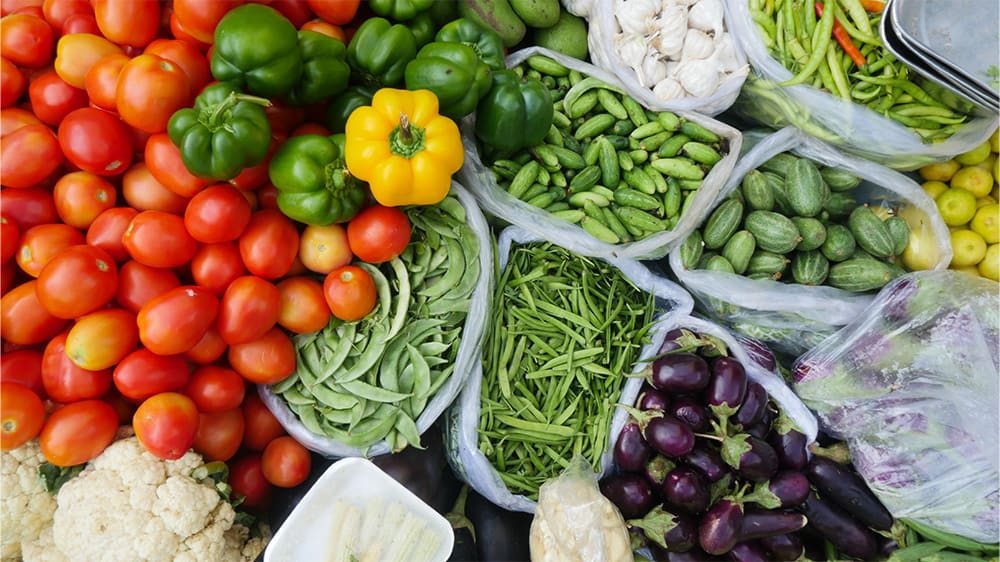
(957, 206)
(984, 201)
(975, 180)
(974, 156)
(986, 223)
(968, 247)
(940, 171)
(970, 269)
(990, 266)
(934, 188)
(995, 141)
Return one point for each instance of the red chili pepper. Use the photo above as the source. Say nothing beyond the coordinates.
(840, 34)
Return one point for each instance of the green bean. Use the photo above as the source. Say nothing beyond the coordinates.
(843, 90)
(823, 30)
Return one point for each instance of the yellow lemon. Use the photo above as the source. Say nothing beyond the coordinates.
(969, 248)
(934, 188)
(922, 249)
(989, 165)
(974, 156)
(984, 201)
(990, 266)
(972, 179)
(986, 223)
(957, 206)
(970, 269)
(940, 171)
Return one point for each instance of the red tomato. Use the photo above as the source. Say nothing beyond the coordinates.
(28, 207)
(12, 83)
(350, 293)
(269, 244)
(65, 381)
(52, 98)
(142, 374)
(310, 129)
(144, 192)
(324, 248)
(8, 277)
(267, 197)
(13, 118)
(215, 389)
(28, 156)
(128, 22)
(209, 348)
(139, 283)
(179, 33)
(101, 339)
(215, 266)
(248, 309)
(81, 23)
(219, 434)
(268, 359)
(285, 462)
(166, 424)
(337, 12)
(58, 11)
(96, 141)
(199, 18)
(23, 319)
(107, 230)
(297, 11)
(10, 239)
(303, 306)
(26, 40)
(101, 81)
(21, 415)
(164, 161)
(150, 90)
(247, 479)
(378, 234)
(18, 6)
(78, 280)
(185, 55)
(255, 176)
(77, 53)
(328, 29)
(175, 321)
(39, 244)
(159, 239)
(78, 432)
(261, 425)
(24, 366)
(283, 117)
(81, 196)
(220, 213)
(123, 406)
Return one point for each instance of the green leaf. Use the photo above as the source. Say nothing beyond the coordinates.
(53, 477)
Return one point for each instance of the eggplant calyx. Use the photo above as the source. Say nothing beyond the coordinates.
(784, 424)
(714, 347)
(659, 467)
(763, 496)
(723, 412)
(641, 417)
(656, 524)
(838, 452)
(733, 448)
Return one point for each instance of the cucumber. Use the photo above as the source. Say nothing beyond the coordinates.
(839, 244)
(840, 204)
(810, 267)
(767, 262)
(839, 180)
(900, 232)
(804, 188)
(719, 263)
(739, 249)
(705, 258)
(779, 164)
(859, 275)
(812, 231)
(691, 250)
(871, 233)
(777, 185)
(723, 222)
(756, 192)
(774, 232)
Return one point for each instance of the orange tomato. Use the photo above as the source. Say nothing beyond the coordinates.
(215, 266)
(26, 40)
(198, 18)
(81, 196)
(142, 191)
(12, 82)
(350, 292)
(81, 23)
(303, 306)
(150, 90)
(166, 424)
(23, 319)
(77, 52)
(101, 339)
(164, 162)
(179, 33)
(52, 98)
(209, 348)
(268, 359)
(78, 432)
(324, 248)
(326, 28)
(175, 321)
(22, 415)
(185, 55)
(29, 155)
(128, 22)
(159, 239)
(13, 118)
(219, 434)
(101, 81)
(10, 239)
(39, 244)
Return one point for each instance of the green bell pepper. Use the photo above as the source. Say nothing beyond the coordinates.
(340, 107)
(514, 114)
(443, 12)
(399, 10)
(313, 184)
(324, 72)
(423, 29)
(223, 133)
(485, 42)
(379, 51)
(258, 49)
(454, 73)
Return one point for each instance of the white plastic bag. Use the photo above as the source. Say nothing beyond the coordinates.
(461, 427)
(911, 385)
(602, 30)
(467, 359)
(849, 126)
(790, 317)
(497, 202)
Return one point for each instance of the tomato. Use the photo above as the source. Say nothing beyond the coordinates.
(52, 98)
(142, 191)
(21, 415)
(164, 161)
(123, 406)
(101, 339)
(248, 309)
(378, 234)
(139, 283)
(96, 141)
(81, 23)
(310, 129)
(78, 280)
(166, 424)
(220, 213)
(247, 479)
(81, 196)
(337, 12)
(297, 11)
(28, 156)
(267, 197)
(67, 382)
(101, 81)
(268, 359)
(28, 207)
(10, 239)
(350, 293)
(12, 82)
(58, 11)
(285, 462)
(215, 389)
(12, 6)
(78, 432)
(150, 90)
(303, 306)
(199, 18)
(185, 55)
(283, 117)
(128, 22)
(324, 248)
(219, 434)
(159, 239)
(179, 33)
(215, 266)
(209, 348)
(8, 278)
(142, 373)
(175, 321)
(23, 319)
(26, 40)
(269, 244)
(261, 424)
(76, 53)
(13, 118)
(39, 244)
(255, 176)
(327, 29)
(107, 230)
(24, 366)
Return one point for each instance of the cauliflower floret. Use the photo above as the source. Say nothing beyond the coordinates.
(27, 507)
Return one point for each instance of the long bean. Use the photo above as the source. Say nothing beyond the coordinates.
(823, 31)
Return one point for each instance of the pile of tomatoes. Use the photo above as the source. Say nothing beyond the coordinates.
(132, 291)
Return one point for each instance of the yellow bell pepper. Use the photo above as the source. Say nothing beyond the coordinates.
(403, 148)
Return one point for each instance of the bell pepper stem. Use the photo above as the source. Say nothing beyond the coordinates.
(407, 139)
(404, 129)
(232, 99)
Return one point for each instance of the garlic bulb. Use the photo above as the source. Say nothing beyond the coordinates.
(635, 16)
(697, 45)
(652, 70)
(699, 78)
(579, 8)
(668, 89)
(670, 27)
(631, 48)
(707, 15)
(725, 53)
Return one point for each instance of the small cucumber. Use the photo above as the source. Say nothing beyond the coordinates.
(779, 164)
(774, 232)
(598, 230)
(859, 275)
(585, 179)
(722, 223)
(612, 221)
(839, 180)
(804, 188)
(622, 127)
(607, 158)
(739, 249)
(697, 132)
(839, 244)
(640, 219)
(812, 231)
(777, 185)
(701, 153)
(594, 126)
(640, 180)
(767, 262)
(871, 233)
(691, 250)
(720, 264)
(568, 158)
(680, 168)
(672, 200)
(810, 268)
(637, 199)
(900, 232)
(672, 146)
(840, 204)
(756, 192)
(524, 178)
(705, 258)
(669, 120)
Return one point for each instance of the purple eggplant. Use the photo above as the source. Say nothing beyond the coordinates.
(631, 450)
(747, 551)
(669, 435)
(694, 555)
(708, 461)
(839, 484)
(686, 489)
(790, 446)
(753, 407)
(758, 523)
(630, 493)
(847, 534)
(887, 546)
(752, 457)
(787, 488)
(758, 352)
(657, 469)
(691, 412)
(759, 430)
(783, 548)
(726, 389)
(670, 341)
(679, 373)
(671, 532)
(652, 399)
(720, 526)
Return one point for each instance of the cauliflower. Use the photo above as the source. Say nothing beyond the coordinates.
(27, 507)
(130, 505)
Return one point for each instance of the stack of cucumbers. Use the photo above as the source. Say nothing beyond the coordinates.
(794, 221)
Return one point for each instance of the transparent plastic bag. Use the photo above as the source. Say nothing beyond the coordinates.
(601, 32)
(461, 427)
(473, 331)
(497, 202)
(790, 317)
(911, 385)
(849, 126)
